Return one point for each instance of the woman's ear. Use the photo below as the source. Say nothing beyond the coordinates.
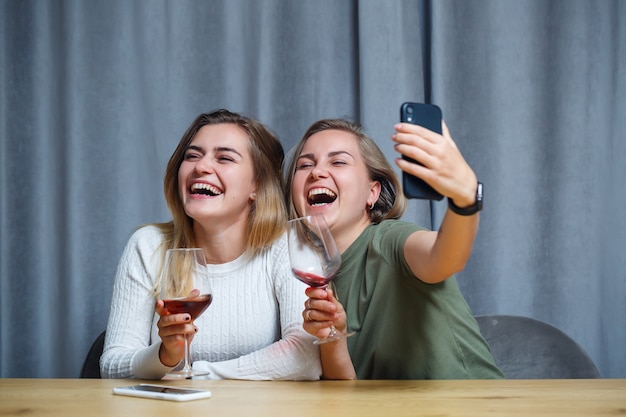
(374, 193)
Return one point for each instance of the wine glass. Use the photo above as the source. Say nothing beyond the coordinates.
(314, 257)
(180, 265)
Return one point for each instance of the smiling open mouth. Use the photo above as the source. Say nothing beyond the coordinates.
(204, 189)
(321, 196)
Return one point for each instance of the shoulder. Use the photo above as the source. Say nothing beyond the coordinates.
(271, 257)
(140, 258)
(384, 240)
(144, 242)
(277, 250)
(146, 236)
(391, 230)
(275, 260)
(396, 225)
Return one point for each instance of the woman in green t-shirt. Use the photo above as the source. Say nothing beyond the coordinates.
(397, 286)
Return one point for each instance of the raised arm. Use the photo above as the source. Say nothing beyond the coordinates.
(436, 255)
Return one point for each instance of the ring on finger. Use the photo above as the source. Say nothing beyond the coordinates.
(307, 316)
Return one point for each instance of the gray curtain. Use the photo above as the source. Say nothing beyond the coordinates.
(94, 96)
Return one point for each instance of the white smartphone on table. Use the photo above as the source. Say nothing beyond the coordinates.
(162, 392)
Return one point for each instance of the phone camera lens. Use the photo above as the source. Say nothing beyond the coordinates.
(409, 110)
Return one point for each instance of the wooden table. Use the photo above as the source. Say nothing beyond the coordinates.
(529, 398)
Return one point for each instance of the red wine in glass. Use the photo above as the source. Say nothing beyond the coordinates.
(312, 280)
(190, 264)
(194, 306)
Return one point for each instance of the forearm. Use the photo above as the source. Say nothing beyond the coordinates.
(121, 360)
(336, 362)
(455, 239)
(435, 256)
(294, 357)
(454, 243)
(128, 352)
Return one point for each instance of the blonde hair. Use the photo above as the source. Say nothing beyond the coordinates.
(391, 203)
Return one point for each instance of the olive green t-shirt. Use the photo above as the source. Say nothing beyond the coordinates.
(405, 328)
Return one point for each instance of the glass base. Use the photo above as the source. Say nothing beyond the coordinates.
(183, 374)
(333, 337)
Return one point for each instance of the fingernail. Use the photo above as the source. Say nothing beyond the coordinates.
(187, 318)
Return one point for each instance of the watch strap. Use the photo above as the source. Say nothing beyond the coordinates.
(470, 210)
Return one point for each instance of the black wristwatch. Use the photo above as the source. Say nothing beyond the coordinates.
(474, 208)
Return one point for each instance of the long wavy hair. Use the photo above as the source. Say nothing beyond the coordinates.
(391, 203)
(268, 213)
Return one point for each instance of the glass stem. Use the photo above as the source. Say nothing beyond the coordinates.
(331, 286)
(187, 366)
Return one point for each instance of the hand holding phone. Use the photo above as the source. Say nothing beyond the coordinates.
(428, 116)
(162, 392)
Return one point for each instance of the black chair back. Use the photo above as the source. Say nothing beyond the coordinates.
(91, 365)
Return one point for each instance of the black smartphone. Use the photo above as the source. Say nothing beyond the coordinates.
(428, 116)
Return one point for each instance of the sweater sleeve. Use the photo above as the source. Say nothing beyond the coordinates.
(129, 351)
(294, 356)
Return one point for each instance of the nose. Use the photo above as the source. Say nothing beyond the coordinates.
(204, 165)
(318, 172)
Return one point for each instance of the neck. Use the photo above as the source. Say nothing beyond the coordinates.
(221, 244)
(344, 237)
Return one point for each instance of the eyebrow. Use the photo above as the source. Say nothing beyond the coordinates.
(218, 149)
(330, 154)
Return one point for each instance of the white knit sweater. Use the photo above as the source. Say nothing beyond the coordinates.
(251, 330)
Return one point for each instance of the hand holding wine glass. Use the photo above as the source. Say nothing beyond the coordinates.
(323, 309)
(314, 257)
(180, 265)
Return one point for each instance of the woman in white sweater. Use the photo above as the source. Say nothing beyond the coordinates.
(223, 186)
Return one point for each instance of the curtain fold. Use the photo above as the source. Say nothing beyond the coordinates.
(95, 95)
